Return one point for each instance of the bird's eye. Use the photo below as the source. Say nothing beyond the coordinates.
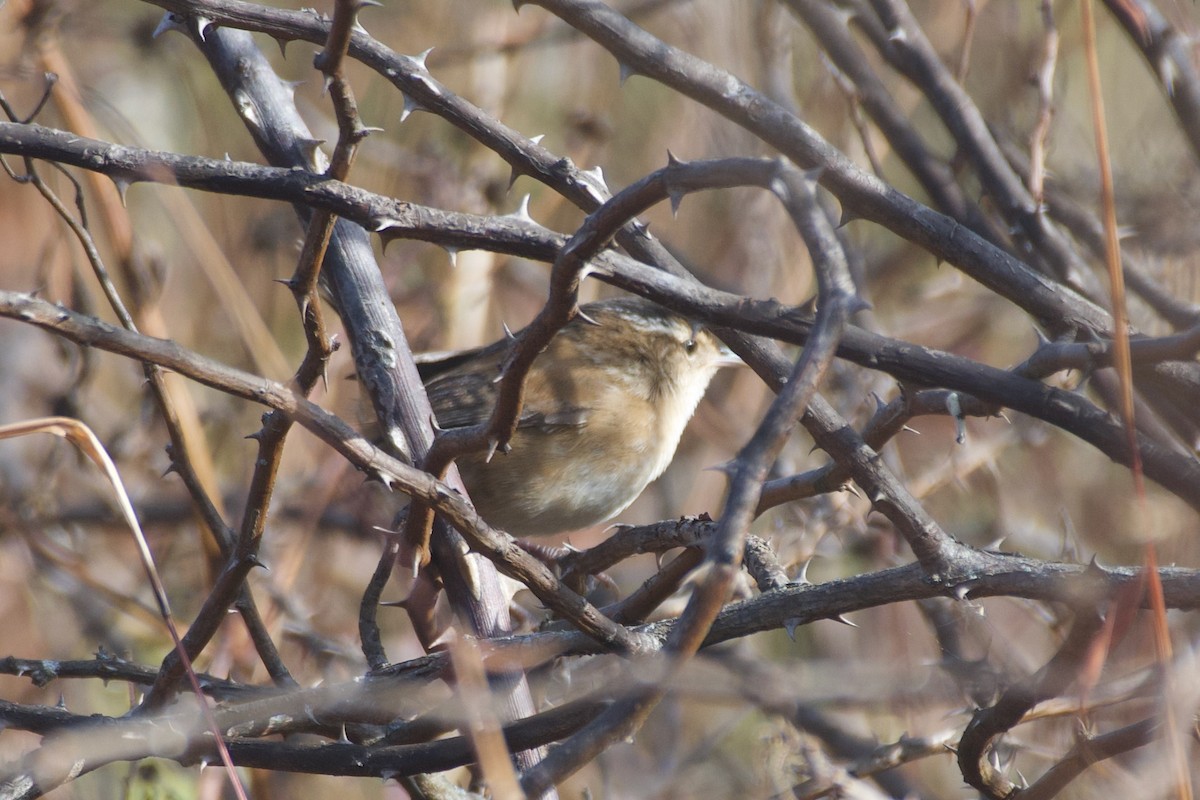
(690, 346)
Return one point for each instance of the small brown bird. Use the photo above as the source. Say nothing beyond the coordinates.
(605, 405)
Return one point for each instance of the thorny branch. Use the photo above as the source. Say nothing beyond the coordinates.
(1016, 242)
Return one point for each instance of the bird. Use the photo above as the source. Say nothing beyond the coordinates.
(606, 403)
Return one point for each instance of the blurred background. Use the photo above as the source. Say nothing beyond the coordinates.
(70, 583)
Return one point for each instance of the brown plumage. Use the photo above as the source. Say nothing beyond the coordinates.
(605, 405)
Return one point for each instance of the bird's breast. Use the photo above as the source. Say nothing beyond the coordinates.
(563, 479)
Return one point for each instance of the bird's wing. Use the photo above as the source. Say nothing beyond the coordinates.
(461, 399)
(464, 398)
(431, 366)
(547, 422)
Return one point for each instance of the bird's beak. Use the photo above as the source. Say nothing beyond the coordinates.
(728, 358)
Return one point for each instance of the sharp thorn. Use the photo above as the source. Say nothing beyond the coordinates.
(522, 212)
(202, 26)
(421, 57)
(410, 105)
(676, 197)
(170, 22)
